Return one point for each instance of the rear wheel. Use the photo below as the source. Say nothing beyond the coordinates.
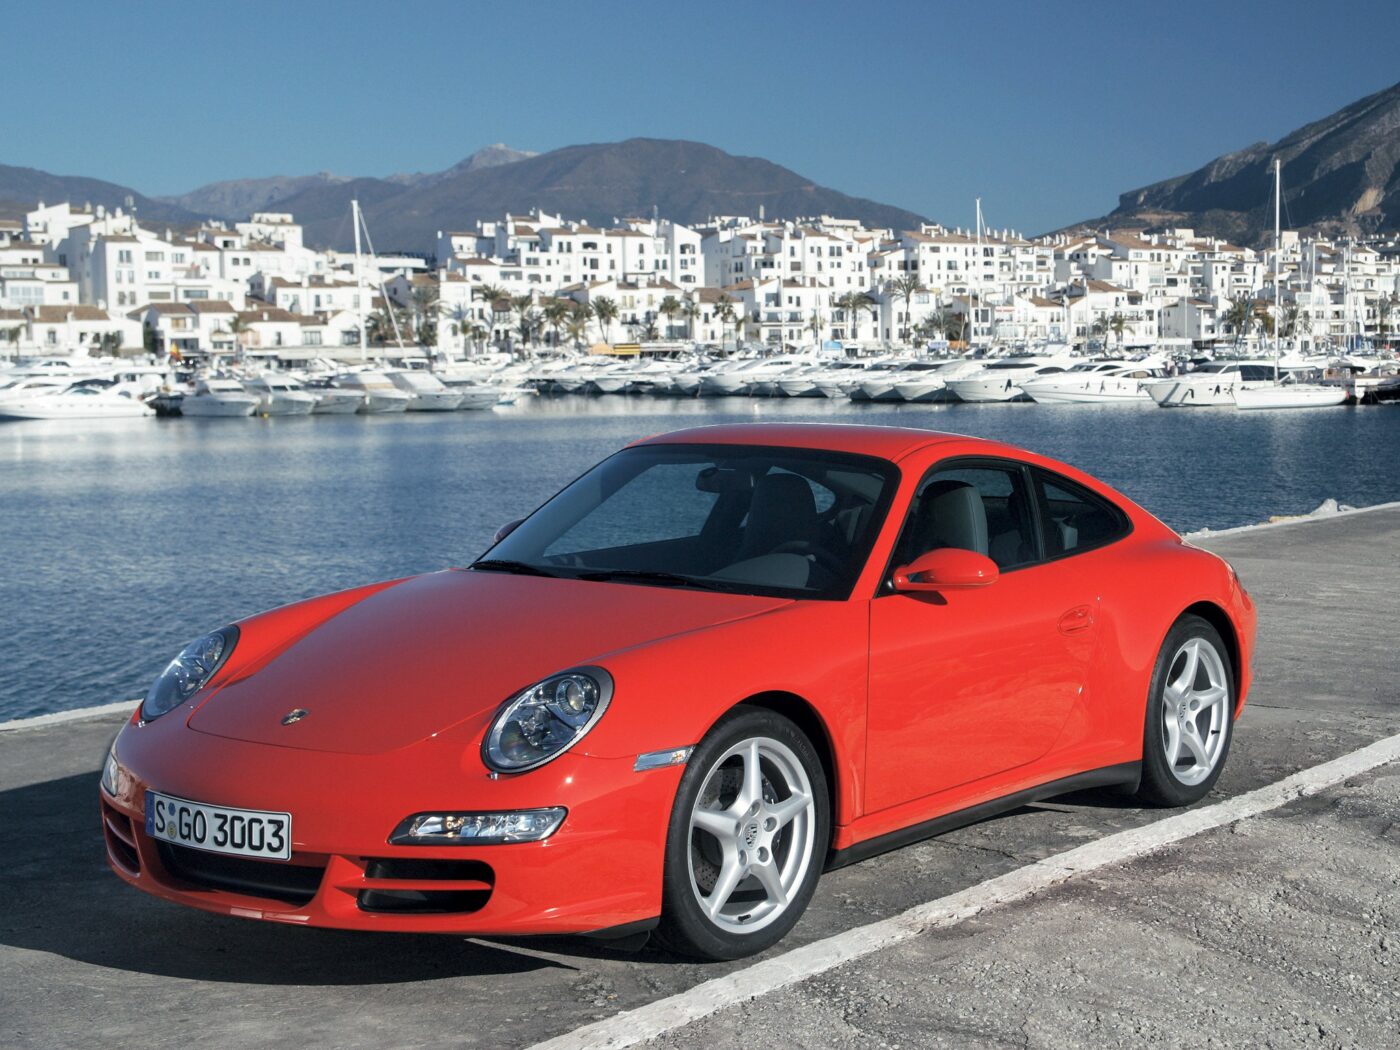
(1190, 715)
(747, 838)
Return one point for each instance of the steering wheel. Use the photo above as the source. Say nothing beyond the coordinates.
(823, 557)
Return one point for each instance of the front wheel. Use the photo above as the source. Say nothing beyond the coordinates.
(747, 838)
(1190, 715)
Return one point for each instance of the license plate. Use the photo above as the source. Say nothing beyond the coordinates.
(219, 829)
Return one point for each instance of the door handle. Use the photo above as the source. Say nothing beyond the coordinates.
(1080, 618)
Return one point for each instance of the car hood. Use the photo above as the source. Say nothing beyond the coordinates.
(413, 660)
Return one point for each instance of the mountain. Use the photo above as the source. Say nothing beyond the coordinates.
(236, 199)
(684, 181)
(492, 156)
(22, 188)
(1341, 175)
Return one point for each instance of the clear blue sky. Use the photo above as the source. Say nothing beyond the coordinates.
(1047, 110)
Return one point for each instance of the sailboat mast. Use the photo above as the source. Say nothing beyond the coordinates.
(1278, 241)
(977, 275)
(359, 279)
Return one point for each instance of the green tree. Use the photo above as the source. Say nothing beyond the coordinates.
(690, 310)
(1118, 324)
(493, 295)
(556, 312)
(1238, 315)
(854, 303)
(605, 310)
(724, 310)
(669, 308)
(906, 288)
(577, 328)
(1385, 307)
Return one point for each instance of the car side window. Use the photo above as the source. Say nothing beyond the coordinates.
(985, 509)
(1075, 519)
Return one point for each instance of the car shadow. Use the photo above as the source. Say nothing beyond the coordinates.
(57, 895)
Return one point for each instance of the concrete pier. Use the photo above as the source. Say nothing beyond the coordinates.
(1297, 905)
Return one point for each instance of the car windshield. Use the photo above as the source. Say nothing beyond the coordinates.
(753, 520)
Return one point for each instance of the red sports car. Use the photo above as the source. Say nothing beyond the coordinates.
(719, 663)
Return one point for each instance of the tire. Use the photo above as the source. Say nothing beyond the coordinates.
(764, 853)
(1193, 687)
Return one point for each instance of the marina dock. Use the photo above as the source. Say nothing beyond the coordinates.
(84, 960)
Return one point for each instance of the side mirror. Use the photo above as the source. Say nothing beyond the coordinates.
(506, 529)
(944, 569)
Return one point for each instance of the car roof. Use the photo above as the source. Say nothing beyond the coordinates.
(891, 443)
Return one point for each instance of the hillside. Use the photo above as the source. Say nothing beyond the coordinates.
(685, 181)
(1341, 175)
(22, 188)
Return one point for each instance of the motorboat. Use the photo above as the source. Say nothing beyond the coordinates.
(428, 393)
(281, 395)
(74, 402)
(1289, 394)
(1001, 380)
(479, 398)
(331, 400)
(218, 397)
(924, 386)
(1210, 385)
(379, 393)
(1094, 382)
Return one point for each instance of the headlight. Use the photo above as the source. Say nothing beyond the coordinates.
(547, 719)
(109, 771)
(188, 673)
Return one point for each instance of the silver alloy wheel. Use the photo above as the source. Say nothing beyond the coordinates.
(1195, 711)
(751, 835)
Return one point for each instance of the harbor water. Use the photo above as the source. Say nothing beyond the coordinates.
(126, 538)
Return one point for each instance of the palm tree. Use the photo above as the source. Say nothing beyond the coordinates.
(384, 325)
(425, 301)
(670, 306)
(1237, 316)
(491, 295)
(1288, 323)
(605, 310)
(1384, 308)
(906, 288)
(556, 312)
(690, 310)
(814, 325)
(724, 310)
(577, 328)
(1117, 324)
(528, 326)
(853, 303)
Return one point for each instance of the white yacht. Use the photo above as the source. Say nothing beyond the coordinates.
(428, 392)
(380, 395)
(1001, 380)
(281, 395)
(1288, 394)
(1210, 385)
(333, 401)
(479, 398)
(78, 401)
(1094, 382)
(218, 397)
(929, 385)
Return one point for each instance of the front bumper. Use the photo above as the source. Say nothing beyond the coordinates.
(602, 868)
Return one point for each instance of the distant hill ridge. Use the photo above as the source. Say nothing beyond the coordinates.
(687, 182)
(1341, 176)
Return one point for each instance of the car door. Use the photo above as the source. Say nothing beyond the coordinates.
(968, 683)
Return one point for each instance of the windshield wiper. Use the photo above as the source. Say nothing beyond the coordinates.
(520, 568)
(665, 579)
